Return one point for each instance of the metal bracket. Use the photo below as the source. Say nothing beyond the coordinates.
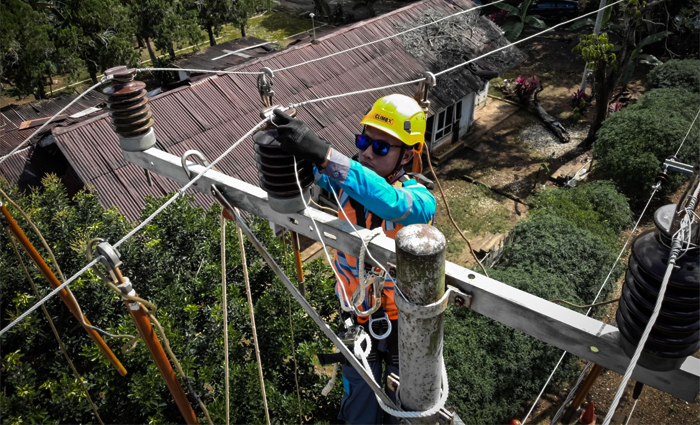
(459, 298)
(445, 416)
(265, 86)
(424, 87)
(671, 164)
(110, 255)
(189, 153)
(393, 381)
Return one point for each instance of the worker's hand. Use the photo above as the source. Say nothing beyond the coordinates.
(296, 138)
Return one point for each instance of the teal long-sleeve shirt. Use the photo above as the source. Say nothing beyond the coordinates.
(410, 204)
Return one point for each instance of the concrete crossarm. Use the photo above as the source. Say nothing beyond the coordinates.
(568, 330)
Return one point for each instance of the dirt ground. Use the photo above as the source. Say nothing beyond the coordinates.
(511, 149)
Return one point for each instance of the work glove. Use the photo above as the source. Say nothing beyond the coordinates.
(296, 138)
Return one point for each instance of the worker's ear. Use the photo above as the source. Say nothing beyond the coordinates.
(407, 156)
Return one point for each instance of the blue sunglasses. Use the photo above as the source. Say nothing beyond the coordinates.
(379, 147)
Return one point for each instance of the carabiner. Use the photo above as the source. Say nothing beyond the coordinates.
(372, 321)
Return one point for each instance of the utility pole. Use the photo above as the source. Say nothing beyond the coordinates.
(420, 268)
(596, 31)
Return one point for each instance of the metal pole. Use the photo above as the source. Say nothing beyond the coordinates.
(585, 387)
(596, 31)
(313, 26)
(420, 267)
(297, 262)
(55, 283)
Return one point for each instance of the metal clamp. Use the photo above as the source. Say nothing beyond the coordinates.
(265, 86)
(424, 87)
(451, 296)
(189, 153)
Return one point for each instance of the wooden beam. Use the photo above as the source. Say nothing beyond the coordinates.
(569, 330)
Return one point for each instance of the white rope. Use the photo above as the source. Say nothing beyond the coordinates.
(387, 37)
(686, 134)
(329, 386)
(203, 71)
(252, 321)
(362, 288)
(363, 354)
(525, 39)
(634, 229)
(676, 247)
(38, 130)
(224, 307)
(345, 303)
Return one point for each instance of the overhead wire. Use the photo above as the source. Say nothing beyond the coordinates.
(612, 269)
(675, 249)
(203, 71)
(140, 226)
(655, 188)
(387, 37)
(38, 130)
(686, 134)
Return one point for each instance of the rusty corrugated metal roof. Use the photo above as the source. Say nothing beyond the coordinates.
(12, 116)
(213, 113)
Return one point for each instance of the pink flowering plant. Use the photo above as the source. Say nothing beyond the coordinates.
(526, 87)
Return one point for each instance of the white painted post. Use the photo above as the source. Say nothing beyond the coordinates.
(596, 31)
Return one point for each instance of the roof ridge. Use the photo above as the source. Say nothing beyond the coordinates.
(340, 31)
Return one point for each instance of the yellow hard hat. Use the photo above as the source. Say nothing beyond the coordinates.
(400, 116)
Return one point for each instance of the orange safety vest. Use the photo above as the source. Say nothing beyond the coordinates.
(347, 266)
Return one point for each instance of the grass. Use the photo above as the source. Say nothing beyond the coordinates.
(475, 209)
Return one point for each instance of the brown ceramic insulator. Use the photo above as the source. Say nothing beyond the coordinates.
(128, 105)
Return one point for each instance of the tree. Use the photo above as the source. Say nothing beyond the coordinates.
(683, 74)
(609, 68)
(517, 18)
(633, 143)
(213, 14)
(175, 263)
(27, 53)
(98, 34)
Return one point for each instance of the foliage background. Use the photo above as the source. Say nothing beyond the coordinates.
(561, 251)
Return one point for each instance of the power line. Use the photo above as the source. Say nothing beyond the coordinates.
(150, 218)
(38, 130)
(445, 71)
(634, 229)
(203, 71)
(676, 248)
(386, 38)
(686, 134)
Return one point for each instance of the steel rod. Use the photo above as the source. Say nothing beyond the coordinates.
(55, 283)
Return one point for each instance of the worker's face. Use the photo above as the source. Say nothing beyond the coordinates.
(384, 165)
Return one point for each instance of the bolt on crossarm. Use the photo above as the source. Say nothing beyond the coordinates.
(143, 323)
(420, 268)
(70, 301)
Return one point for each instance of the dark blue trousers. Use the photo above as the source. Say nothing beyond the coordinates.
(359, 405)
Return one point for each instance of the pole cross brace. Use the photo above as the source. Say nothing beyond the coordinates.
(551, 323)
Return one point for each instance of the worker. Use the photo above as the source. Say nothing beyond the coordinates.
(374, 192)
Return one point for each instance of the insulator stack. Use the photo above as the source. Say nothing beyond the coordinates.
(676, 332)
(277, 176)
(129, 109)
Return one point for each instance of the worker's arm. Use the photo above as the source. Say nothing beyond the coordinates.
(408, 205)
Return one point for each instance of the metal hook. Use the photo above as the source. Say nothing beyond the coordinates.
(265, 86)
(424, 87)
(189, 153)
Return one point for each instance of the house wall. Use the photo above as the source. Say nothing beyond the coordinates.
(461, 121)
(482, 97)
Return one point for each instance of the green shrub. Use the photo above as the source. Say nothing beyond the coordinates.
(495, 369)
(575, 255)
(681, 73)
(633, 143)
(175, 263)
(596, 206)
